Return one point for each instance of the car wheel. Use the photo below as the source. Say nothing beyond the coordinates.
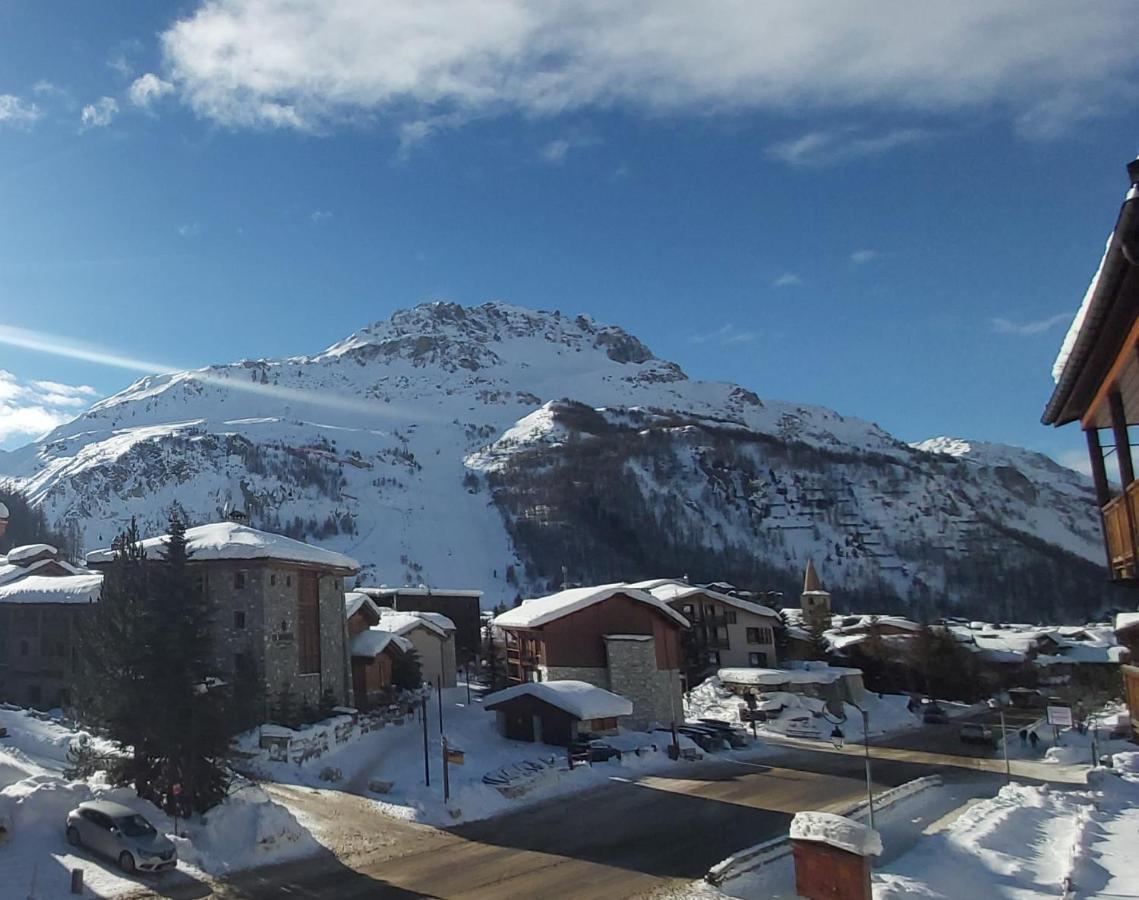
(126, 862)
(73, 837)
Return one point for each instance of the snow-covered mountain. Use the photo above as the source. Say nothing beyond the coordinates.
(490, 447)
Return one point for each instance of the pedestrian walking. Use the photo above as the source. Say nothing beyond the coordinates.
(1033, 739)
(1023, 736)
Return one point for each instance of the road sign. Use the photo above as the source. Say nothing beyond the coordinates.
(1060, 716)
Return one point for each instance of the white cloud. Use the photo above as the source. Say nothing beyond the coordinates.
(726, 335)
(99, 114)
(787, 279)
(823, 148)
(30, 409)
(319, 216)
(14, 111)
(148, 88)
(1025, 329)
(556, 151)
(283, 62)
(860, 257)
(189, 230)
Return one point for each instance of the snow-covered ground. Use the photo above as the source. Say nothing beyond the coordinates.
(392, 758)
(247, 829)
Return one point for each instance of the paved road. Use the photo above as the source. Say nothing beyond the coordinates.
(622, 840)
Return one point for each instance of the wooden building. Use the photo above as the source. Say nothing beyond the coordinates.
(373, 651)
(556, 712)
(612, 636)
(1097, 384)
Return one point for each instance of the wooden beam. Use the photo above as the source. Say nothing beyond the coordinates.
(1099, 470)
(1108, 385)
(1122, 440)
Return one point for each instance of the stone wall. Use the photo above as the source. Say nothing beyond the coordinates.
(633, 673)
(596, 676)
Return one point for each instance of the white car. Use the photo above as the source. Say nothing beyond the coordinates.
(120, 833)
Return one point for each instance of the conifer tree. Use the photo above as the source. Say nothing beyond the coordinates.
(817, 631)
(407, 671)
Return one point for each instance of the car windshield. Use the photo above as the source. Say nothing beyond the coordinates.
(135, 826)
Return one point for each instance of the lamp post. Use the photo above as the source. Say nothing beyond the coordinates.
(999, 707)
(866, 747)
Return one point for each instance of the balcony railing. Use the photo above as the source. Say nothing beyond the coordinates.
(1118, 528)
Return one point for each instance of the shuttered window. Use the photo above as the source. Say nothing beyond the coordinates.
(308, 625)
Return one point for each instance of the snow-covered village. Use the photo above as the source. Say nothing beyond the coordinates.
(515, 450)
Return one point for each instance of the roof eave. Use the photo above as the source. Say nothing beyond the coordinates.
(1115, 267)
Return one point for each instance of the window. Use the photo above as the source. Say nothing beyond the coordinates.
(241, 663)
(758, 660)
(730, 616)
(760, 635)
(238, 618)
(714, 658)
(709, 610)
(273, 579)
(689, 611)
(308, 626)
(288, 581)
(239, 581)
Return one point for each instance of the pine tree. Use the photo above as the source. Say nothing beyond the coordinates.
(407, 672)
(817, 631)
(779, 628)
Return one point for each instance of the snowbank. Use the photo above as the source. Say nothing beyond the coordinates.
(836, 831)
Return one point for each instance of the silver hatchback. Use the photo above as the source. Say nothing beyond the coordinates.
(122, 834)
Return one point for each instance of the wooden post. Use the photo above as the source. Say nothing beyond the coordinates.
(1122, 441)
(1126, 468)
(1099, 470)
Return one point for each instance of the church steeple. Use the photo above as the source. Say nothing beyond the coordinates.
(814, 602)
(811, 578)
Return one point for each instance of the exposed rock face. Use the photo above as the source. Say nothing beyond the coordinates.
(491, 446)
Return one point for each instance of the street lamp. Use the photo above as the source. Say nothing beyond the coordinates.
(839, 739)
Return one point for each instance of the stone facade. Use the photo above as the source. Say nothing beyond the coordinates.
(633, 673)
(39, 652)
(256, 611)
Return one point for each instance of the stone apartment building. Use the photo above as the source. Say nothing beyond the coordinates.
(612, 636)
(279, 608)
(726, 631)
(44, 602)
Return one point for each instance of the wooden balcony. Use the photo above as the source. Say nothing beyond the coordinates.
(1120, 518)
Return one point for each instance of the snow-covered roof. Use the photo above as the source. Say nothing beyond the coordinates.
(53, 589)
(406, 622)
(438, 618)
(836, 831)
(31, 551)
(1125, 621)
(820, 675)
(672, 591)
(371, 642)
(1078, 322)
(579, 699)
(229, 540)
(354, 601)
(12, 572)
(383, 591)
(541, 610)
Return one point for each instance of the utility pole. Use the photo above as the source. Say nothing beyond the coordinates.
(467, 675)
(446, 773)
(866, 745)
(426, 759)
(439, 690)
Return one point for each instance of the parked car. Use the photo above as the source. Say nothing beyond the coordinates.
(975, 733)
(729, 732)
(932, 714)
(1026, 698)
(120, 833)
(594, 750)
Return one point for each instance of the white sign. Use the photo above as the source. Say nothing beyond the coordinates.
(1060, 716)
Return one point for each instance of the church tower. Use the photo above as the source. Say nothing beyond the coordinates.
(814, 601)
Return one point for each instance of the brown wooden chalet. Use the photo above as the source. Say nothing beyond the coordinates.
(1097, 384)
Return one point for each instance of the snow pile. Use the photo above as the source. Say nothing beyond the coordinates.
(579, 699)
(836, 831)
(247, 829)
(1028, 841)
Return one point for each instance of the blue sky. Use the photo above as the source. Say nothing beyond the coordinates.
(888, 209)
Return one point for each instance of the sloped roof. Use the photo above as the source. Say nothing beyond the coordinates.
(229, 540)
(579, 699)
(811, 581)
(371, 642)
(671, 591)
(384, 591)
(64, 589)
(1125, 621)
(12, 572)
(406, 622)
(541, 610)
(354, 601)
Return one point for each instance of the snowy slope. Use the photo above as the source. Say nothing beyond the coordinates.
(408, 445)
